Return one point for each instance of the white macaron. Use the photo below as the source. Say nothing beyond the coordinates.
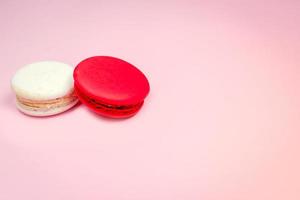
(44, 88)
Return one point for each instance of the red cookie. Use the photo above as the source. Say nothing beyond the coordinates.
(110, 86)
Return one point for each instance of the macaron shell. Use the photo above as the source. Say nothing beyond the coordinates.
(43, 80)
(111, 80)
(36, 113)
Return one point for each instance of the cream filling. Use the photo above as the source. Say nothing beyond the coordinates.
(46, 105)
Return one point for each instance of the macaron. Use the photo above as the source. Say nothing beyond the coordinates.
(44, 88)
(110, 86)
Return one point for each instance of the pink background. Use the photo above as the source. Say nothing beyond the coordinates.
(221, 122)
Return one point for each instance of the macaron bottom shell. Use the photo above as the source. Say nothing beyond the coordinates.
(44, 113)
(107, 110)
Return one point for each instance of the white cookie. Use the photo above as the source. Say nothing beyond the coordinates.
(44, 88)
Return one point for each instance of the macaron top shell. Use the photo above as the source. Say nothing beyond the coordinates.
(43, 80)
(111, 80)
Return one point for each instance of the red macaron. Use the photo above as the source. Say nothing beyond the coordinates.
(110, 86)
